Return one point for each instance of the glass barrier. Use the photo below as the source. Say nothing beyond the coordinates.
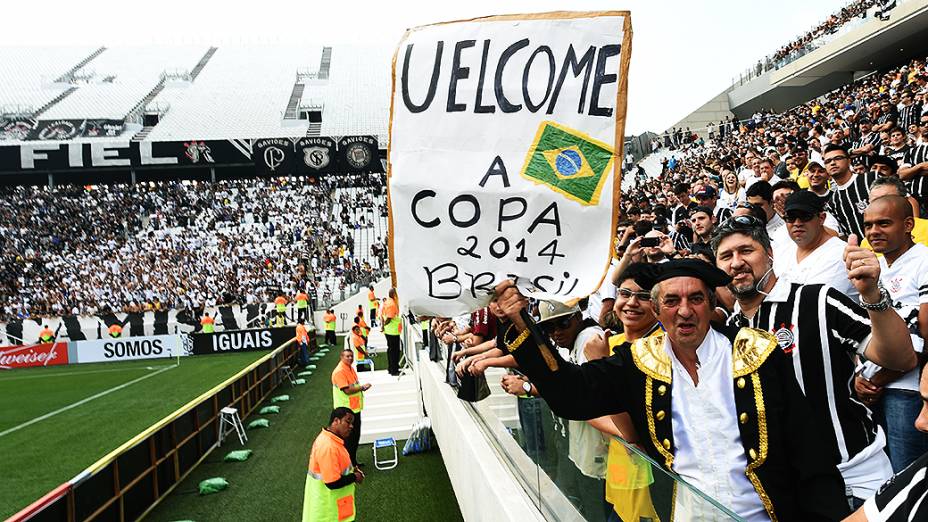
(565, 466)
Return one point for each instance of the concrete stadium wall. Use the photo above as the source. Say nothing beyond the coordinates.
(484, 487)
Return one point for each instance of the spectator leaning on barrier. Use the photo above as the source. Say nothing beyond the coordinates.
(302, 341)
(331, 475)
(904, 274)
(698, 402)
(820, 330)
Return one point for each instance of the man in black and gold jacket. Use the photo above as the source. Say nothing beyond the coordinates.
(718, 406)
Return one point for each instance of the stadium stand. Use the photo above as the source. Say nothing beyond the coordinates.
(29, 76)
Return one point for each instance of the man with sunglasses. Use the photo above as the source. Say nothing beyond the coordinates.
(813, 256)
(731, 422)
(821, 330)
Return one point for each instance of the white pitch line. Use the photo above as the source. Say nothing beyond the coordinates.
(82, 401)
(42, 375)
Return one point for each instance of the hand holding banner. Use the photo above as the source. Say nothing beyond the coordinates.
(504, 136)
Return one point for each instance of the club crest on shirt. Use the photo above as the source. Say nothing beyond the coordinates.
(895, 285)
(785, 338)
(862, 205)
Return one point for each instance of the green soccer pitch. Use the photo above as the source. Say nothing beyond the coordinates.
(57, 421)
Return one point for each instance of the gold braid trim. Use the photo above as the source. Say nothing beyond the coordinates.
(650, 357)
(762, 451)
(668, 456)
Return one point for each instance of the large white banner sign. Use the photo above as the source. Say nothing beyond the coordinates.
(504, 138)
(129, 348)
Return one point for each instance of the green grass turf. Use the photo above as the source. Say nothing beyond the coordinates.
(40, 457)
(269, 486)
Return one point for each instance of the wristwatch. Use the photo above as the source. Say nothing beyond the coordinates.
(527, 386)
(879, 306)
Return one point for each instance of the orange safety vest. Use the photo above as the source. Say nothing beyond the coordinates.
(281, 303)
(301, 335)
(358, 342)
(302, 300)
(46, 335)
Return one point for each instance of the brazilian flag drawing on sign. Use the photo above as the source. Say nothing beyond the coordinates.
(568, 161)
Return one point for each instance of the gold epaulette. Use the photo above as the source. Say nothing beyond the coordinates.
(750, 349)
(650, 357)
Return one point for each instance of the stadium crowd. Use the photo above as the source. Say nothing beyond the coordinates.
(803, 228)
(183, 245)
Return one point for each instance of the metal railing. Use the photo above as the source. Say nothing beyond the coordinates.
(131, 480)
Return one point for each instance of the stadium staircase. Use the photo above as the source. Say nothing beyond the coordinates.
(314, 129)
(68, 76)
(202, 63)
(324, 63)
(293, 106)
(142, 134)
(391, 406)
(52, 102)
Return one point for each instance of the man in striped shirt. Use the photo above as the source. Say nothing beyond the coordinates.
(821, 330)
(849, 195)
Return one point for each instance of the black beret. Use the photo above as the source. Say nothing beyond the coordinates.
(712, 276)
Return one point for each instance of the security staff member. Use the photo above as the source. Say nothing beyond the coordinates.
(329, 492)
(46, 335)
(391, 329)
(348, 392)
(302, 306)
(372, 303)
(280, 304)
(115, 330)
(302, 340)
(207, 324)
(329, 320)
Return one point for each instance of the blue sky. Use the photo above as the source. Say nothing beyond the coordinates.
(684, 53)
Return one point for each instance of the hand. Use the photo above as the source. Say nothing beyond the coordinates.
(358, 475)
(477, 368)
(863, 269)
(597, 347)
(457, 356)
(666, 245)
(468, 342)
(512, 384)
(461, 367)
(868, 392)
(365, 387)
(447, 338)
(634, 250)
(511, 302)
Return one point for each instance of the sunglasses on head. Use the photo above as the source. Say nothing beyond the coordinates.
(742, 223)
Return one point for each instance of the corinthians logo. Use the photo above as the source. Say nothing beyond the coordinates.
(785, 338)
(358, 155)
(316, 157)
(273, 157)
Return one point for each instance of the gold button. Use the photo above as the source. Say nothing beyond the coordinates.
(660, 415)
(661, 390)
(741, 382)
(743, 418)
(752, 454)
(666, 444)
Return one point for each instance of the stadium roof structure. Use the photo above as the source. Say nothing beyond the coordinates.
(143, 97)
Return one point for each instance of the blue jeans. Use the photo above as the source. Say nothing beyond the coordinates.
(533, 438)
(898, 409)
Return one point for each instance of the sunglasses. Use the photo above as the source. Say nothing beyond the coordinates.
(556, 324)
(742, 223)
(803, 217)
(627, 294)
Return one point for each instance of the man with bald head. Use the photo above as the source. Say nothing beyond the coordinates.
(888, 223)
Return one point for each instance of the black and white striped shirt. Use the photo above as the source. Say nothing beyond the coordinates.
(821, 329)
(847, 203)
(904, 497)
(918, 186)
(909, 115)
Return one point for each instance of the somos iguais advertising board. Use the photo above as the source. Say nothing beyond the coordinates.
(257, 339)
(128, 349)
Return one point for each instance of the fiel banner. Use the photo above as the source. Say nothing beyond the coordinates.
(506, 136)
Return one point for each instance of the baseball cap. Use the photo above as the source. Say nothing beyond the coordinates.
(550, 310)
(707, 191)
(804, 201)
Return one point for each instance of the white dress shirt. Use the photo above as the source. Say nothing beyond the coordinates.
(709, 453)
